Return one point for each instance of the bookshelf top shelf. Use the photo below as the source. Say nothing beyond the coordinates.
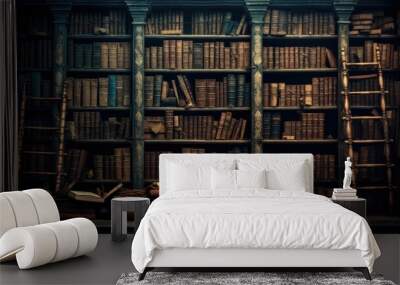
(198, 37)
(154, 70)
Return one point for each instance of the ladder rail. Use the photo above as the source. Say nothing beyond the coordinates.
(60, 153)
(347, 117)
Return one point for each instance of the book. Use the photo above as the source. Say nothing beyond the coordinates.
(86, 196)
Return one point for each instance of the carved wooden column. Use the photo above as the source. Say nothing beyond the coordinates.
(256, 10)
(60, 10)
(138, 10)
(343, 9)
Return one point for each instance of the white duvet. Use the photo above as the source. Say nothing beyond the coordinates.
(253, 218)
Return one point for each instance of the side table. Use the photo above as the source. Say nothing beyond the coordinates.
(358, 205)
(119, 208)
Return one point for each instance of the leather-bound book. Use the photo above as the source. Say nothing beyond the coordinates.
(112, 55)
(103, 91)
(166, 54)
(226, 125)
(86, 92)
(93, 92)
(118, 163)
(232, 90)
(172, 54)
(169, 124)
(220, 127)
(179, 54)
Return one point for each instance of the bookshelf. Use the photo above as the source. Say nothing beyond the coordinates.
(143, 30)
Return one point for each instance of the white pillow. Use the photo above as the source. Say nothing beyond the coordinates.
(282, 174)
(223, 179)
(251, 178)
(181, 177)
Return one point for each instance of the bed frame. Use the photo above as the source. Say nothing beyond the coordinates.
(242, 259)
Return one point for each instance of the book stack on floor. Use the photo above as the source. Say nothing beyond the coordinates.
(344, 194)
(374, 23)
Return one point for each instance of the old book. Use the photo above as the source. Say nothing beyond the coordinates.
(220, 126)
(112, 91)
(93, 92)
(331, 58)
(225, 128)
(274, 94)
(103, 91)
(232, 90)
(185, 90)
(104, 58)
(198, 55)
(308, 96)
(92, 197)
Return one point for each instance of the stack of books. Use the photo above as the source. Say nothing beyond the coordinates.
(344, 194)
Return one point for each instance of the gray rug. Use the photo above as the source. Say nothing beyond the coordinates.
(243, 278)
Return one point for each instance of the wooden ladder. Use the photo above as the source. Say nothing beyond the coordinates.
(348, 118)
(58, 129)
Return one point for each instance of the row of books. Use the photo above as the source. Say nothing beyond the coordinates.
(35, 85)
(389, 54)
(36, 162)
(324, 167)
(35, 53)
(194, 127)
(369, 154)
(373, 23)
(367, 129)
(151, 160)
(310, 126)
(231, 90)
(116, 166)
(108, 22)
(322, 92)
(180, 54)
(279, 22)
(370, 82)
(111, 91)
(100, 55)
(298, 57)
(173, 22)
(91, 125)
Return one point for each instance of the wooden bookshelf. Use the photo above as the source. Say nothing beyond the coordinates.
(136, 34)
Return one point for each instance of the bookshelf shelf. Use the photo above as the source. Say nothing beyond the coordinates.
(323, 141)
(298, 108)
(198, 37)
(119, 38)
(99, 181)
(100, 141)
(188, 141)
(198, 109)
(300, 37)
(148, 70)
(100, 70)
(373, 37)
(99, 109)
(301, 70)
(27, 70)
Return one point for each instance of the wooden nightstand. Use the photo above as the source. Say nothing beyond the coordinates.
(358, 205)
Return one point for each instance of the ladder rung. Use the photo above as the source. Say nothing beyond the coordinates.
(44, 98)
(362, 76)
(365, 92)
(367, 141)
(373, 165)
(378, 187)
(41, 128)
(41, 152)
(372, 63)
(364, 117)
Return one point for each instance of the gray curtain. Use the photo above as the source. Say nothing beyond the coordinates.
(8, 98)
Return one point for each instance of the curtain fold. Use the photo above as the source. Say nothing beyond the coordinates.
(8, 97)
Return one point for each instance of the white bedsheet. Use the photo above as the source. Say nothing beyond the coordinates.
(252, 218)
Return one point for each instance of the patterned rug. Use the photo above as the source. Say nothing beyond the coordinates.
(243, 278)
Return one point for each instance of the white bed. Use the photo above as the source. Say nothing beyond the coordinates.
(249, 227)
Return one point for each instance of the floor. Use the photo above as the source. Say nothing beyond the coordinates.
(103, 266)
